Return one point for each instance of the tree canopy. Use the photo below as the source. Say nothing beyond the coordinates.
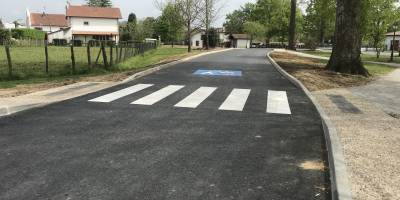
(99, 3)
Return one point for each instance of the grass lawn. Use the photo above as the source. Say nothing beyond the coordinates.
(365, 57)
(28, 64)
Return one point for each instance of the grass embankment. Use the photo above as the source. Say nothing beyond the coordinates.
(311, 72)
(28, 65)
(364, 56)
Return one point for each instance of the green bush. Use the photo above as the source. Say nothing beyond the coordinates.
(27, 34)
(5, 36)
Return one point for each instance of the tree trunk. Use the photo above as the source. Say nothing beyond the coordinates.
(346, 54)
(189, 36)
(207, 26)
(292, 25)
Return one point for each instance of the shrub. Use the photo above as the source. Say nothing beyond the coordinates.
(60, 42)
(27, 34)
(77, 43)
(5, 36)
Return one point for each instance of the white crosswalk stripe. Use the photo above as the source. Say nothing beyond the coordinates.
(196, 98)
(158, 95)
(236, 100)
(121, 93)
(278, 103)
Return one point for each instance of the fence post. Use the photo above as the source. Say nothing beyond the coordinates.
(120, 52)
(73, 59)
(9, 61)
(116, 53)
(111, 55)
(104, 55)
(46, 53)
(88, 55)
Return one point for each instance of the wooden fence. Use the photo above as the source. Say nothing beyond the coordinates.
(106, 55)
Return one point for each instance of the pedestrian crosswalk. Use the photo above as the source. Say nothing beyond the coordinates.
(277, 101)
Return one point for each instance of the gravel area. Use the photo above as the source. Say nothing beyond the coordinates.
(371, 143)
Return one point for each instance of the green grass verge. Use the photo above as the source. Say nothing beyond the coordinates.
(28, 64)
(365, 57)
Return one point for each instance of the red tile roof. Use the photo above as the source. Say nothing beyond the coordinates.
(41, 19)
(93, 12)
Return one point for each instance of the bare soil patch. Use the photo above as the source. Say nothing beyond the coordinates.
(311, 72)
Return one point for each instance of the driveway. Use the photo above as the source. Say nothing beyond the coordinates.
(222, 126)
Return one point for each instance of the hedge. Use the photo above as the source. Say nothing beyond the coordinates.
(28, 34)
(5, 36)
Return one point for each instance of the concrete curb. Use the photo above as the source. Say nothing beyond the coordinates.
(8, 110)
(340, 185)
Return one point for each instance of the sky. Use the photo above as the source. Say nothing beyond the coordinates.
(16, 9)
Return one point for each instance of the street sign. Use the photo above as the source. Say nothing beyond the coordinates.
(203, 72)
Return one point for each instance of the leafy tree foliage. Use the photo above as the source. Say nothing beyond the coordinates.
(319, 22)
(379, 16)
(170, 24)
(99, 3)
(255, 30)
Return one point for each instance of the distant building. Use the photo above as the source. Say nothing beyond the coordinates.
(81, 22)
(46, 22)
(240, 41)
(197, 39)
(389, 41)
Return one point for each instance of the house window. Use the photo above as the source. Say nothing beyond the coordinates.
(197, 43)
(86, 23)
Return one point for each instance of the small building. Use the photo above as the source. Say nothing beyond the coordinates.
(197, 39)
(45, 22)
(240, 41)
(389, 41)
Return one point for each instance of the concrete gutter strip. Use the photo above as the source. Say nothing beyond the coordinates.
(55, 95)
(340, 185)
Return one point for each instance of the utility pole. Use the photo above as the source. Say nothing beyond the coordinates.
(207, 25)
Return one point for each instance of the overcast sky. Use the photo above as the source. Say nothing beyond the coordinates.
(15, 9)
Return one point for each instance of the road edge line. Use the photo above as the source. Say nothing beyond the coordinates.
(340, 184)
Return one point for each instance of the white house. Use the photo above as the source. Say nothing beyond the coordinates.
(87, 23)
(389, 41)
(45, 22)
(197, 39)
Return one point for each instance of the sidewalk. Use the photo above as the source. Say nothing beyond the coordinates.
(366, 119)
(12, 105)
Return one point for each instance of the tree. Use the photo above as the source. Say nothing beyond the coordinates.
(235, 21)
(170, 24)
(255, 30)
(191, 11)
(212, 8)
(99, 3)
(380, 16)
(346, 53)
(292, 25)
(1, 24)
(319, 23)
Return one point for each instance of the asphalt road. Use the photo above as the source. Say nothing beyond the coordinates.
(211, 137)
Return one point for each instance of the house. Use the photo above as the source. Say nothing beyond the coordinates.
(197, 39)
(86, 23)
(45, 22)
(389, 41)
(240, 41)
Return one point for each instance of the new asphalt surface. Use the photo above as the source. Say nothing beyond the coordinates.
(78, 149)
